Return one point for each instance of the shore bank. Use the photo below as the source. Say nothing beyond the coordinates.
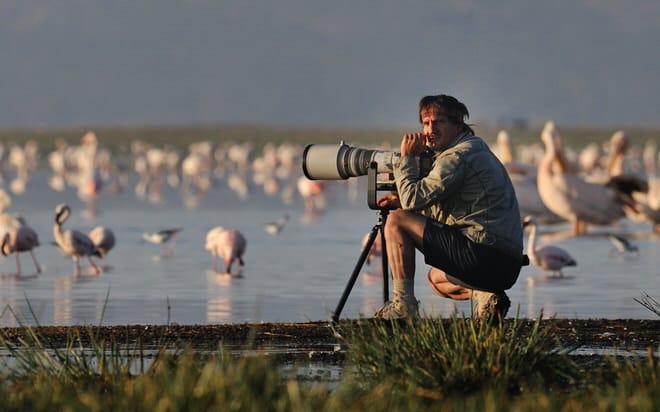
(632, 334)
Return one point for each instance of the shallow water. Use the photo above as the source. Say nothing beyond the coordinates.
(298, 275)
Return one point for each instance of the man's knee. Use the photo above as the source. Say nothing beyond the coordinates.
(396, 218)
(401, 220)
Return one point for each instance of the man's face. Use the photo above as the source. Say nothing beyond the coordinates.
(437, 128)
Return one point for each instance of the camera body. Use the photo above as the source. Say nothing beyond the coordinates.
(332, 162)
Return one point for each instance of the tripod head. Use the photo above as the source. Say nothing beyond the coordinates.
(374, 186)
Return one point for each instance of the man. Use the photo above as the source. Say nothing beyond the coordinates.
(463, 216)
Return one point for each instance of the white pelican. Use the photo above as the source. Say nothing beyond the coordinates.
(227, 244)
(72, 242)
(546, 257)
(523, 177)
(647, 204)
(571, 197)
(20, 239)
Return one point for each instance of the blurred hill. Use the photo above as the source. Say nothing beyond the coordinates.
(313, 63)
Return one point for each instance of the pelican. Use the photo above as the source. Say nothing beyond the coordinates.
(228, 244)
(648, 203)
(20, 239)
(546, 257)
(274, 228)
(523, 178)
(72, 242)
(571, 197)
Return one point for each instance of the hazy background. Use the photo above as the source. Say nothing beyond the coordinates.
(350, 63)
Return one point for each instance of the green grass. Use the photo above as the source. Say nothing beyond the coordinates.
(462, 357)
(423, 365)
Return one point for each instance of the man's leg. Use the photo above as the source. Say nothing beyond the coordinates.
(488, 305)
(404, 232)
(445, 288)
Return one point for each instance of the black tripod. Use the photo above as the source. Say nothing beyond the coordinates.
(372, 188)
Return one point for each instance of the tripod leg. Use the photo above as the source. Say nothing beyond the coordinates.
(356, 272)
(386, 268)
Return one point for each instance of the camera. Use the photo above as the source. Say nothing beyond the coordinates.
(332, 162)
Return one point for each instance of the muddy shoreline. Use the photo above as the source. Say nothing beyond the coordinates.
(630, 334)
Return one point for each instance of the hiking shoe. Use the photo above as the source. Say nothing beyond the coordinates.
(490, 305)
(399, 307)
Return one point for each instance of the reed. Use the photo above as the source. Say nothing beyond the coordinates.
(649, 303)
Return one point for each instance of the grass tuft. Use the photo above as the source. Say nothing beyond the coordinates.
(459, 355)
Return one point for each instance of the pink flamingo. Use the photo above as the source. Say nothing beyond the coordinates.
(104, 240)
(20, 239)
(228, 244)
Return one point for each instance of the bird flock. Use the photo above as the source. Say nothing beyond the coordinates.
(92, 170)
(604, 183)
(600, 186)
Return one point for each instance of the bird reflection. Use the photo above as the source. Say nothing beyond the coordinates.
(219, 306)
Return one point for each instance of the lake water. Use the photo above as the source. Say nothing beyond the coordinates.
(298, 275)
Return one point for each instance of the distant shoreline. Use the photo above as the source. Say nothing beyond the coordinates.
(180, 136)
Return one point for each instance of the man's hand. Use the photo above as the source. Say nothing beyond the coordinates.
(390, 200)
(412, 144)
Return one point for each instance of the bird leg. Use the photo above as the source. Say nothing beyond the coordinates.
(36, 264)
(76, 266)
(96, 268)
(18, 265)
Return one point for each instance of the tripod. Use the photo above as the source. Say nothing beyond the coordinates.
(373, 187)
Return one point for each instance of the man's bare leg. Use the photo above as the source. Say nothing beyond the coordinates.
(404, 232)
(443, 287)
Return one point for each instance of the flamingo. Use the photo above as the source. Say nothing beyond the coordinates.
(313, 193)
(104, 240)
(72, 242)
(228, 244)
(89, 178)
(546, 257)
(20, 239)
(376, 252)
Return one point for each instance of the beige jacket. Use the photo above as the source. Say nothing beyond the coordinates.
(467, 187)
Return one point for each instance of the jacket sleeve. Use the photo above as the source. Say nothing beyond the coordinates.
(418, 193)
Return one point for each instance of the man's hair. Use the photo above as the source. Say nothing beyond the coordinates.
(455, 111)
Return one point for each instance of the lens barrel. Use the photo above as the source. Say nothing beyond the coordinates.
(332, 162)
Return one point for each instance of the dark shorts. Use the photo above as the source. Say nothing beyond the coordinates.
(466, 263)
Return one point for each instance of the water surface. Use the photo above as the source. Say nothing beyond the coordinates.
(298, 275)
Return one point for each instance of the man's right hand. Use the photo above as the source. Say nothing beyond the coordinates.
(390, 200)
